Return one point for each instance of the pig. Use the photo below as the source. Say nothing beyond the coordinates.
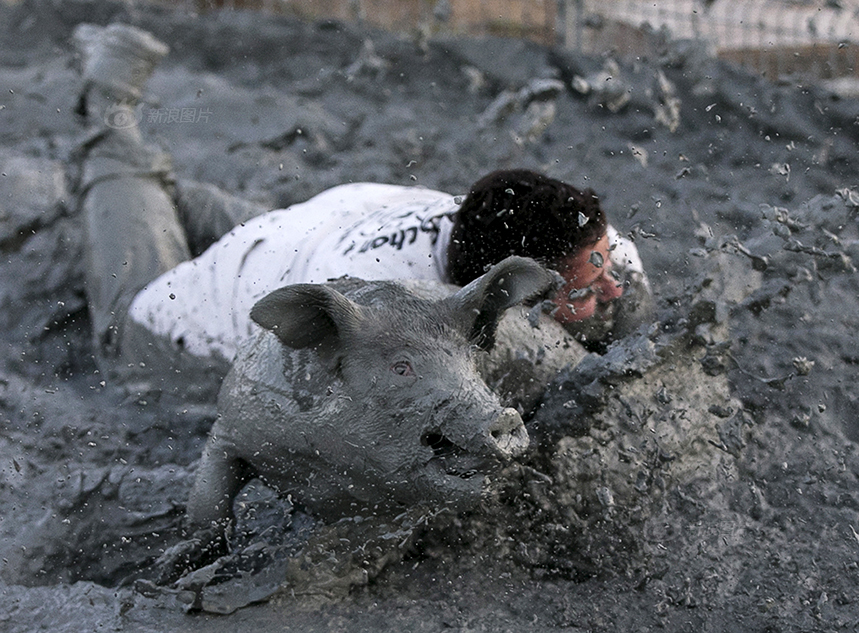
(365, 398)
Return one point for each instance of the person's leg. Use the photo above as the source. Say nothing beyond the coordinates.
(132, 228)
(132, 231)
(208, 213)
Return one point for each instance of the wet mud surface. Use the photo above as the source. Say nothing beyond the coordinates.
(700, 476)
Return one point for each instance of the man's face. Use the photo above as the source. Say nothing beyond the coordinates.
(590, 285)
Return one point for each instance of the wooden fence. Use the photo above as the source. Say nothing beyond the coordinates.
(807, 38)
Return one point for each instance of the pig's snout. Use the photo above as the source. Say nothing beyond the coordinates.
(507, 436)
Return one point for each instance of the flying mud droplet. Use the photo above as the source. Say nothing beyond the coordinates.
(583, 219)
(802, 365)
(596, 259)
(580, 293)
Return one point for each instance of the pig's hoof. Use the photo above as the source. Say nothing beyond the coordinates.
(203, 547)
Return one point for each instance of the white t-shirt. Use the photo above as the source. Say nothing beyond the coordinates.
(364, 230)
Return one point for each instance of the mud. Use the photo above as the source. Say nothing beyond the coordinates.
(708, 480)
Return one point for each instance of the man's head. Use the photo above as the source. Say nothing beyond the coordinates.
(521, 212)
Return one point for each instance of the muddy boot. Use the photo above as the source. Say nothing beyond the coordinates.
(125, 186)
(116, 62)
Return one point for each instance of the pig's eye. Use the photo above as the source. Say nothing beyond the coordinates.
(403, 368)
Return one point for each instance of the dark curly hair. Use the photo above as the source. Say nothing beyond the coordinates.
(521, 212)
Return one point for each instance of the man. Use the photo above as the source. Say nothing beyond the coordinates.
(149, 299)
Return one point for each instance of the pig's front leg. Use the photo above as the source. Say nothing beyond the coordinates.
(220, 476)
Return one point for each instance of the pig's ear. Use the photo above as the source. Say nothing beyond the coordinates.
(307, 315)
(480, 304)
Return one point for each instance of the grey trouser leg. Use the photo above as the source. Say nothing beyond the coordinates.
(208, 213)
(132, 229)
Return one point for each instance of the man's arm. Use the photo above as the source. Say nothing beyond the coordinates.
(635, 307)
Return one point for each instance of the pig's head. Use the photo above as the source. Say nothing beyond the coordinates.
(414, 421)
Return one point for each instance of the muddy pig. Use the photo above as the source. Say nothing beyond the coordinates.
(364, 397)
